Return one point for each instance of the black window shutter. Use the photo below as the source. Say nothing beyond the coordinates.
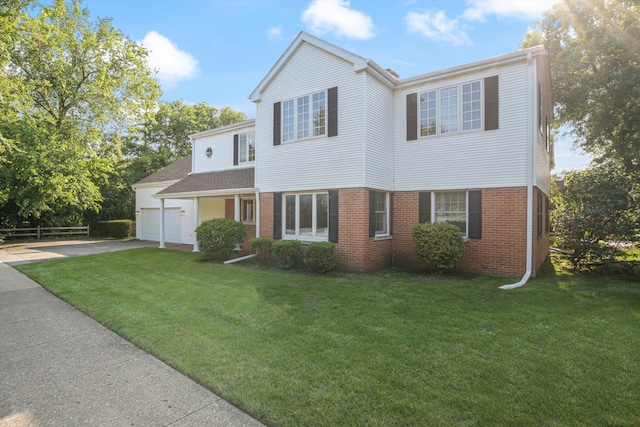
(277, 216)
(333, 216)
(475, 214)
(491, 103)
(235, 149)
(424, 206)
(332, 116)
(372, 213)
(277, 114)
(412, 117)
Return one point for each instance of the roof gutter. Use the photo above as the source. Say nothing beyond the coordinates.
(530, 178)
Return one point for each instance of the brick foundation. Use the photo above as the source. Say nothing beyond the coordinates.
(501, 251)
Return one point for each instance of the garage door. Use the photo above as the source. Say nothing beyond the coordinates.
(172, 225)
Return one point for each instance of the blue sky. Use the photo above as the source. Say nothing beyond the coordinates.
(217, 51)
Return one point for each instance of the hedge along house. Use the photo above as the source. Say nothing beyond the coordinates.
(345, 151)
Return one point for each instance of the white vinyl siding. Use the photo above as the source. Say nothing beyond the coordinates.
(378, 135)
(313, 163)
(221, 145)
(468, 159)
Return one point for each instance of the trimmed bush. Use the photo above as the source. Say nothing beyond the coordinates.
(287, 253)
(117, 229)
(440, 244)
(261, 246)
(321, 257)
(219, 237)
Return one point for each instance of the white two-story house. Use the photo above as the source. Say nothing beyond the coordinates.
(343, 150)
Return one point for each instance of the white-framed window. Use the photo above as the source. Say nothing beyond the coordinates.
(306, 216)
(246, 147)
(304, 116)
(451, 206)
(380, 208)
(471, 106)
(428, 113)
(248, 210)
(451, 109)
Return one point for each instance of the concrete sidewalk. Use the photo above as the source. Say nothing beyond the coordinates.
(59, 367)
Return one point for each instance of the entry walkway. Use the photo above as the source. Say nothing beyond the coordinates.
(59, 367)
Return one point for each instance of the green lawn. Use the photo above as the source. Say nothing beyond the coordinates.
(302, 350)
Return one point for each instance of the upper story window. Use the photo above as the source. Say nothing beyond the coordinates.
(451, 109)
(304, 116)
(466, 107)
(244, 148)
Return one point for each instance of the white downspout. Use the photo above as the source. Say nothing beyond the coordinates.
(257, 212)
(530, 172)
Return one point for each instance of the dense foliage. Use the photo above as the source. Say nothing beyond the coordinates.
(595, 215)
(440, 243)
(219, 237)
(261, 246)
(117, 229)
(595, 69)
(80, 120)
(321, 257)
(287, 253)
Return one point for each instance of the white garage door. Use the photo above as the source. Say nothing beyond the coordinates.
(172, 225)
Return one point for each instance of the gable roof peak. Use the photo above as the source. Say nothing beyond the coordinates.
(359, 63)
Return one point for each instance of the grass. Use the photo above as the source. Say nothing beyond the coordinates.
(298, 350)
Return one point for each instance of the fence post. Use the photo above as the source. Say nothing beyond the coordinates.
(38, 232)
(87, 231)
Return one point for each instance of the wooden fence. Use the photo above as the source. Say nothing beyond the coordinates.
(40, 232)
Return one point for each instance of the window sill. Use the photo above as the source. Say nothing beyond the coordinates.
(382, 237)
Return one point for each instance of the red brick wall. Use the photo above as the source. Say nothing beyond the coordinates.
(502, 249)
(356, 250)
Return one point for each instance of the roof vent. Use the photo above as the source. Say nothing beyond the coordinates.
(393, 73)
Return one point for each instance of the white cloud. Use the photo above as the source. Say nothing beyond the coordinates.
(436, 26)
(336, 16)
(526, 10)
(172, 64)
(274, 33)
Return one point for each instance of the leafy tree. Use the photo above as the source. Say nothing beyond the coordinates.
(164, 137)
(595, 69)
(594, 213)
(74, 82)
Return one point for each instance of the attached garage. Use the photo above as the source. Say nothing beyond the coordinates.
(172, 225)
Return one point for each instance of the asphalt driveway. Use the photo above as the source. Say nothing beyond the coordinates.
(58, 367)
(22, 253)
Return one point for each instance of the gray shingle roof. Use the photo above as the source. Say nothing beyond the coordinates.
(174, 171)
(213, 181)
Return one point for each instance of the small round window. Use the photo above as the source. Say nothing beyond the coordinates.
(209, 152)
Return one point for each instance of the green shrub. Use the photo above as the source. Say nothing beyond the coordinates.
(321, 257)
(261, 246)
(219, 237)
(117, 229)
(440, 244)
(287, 253)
